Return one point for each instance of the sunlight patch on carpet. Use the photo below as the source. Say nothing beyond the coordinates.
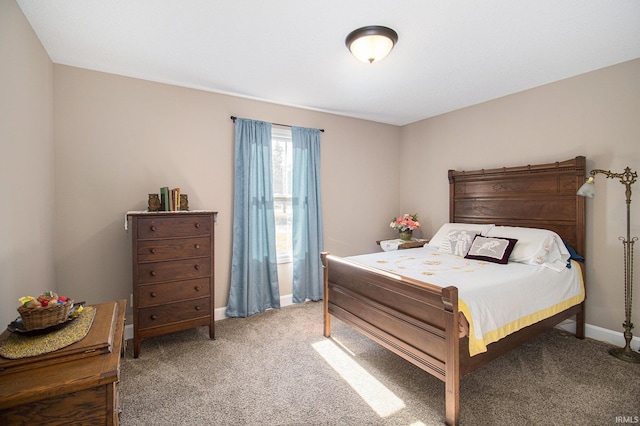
(378, 396)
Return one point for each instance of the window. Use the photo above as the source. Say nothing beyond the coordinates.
(281, 158)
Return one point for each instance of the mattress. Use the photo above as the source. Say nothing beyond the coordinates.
(495, 299)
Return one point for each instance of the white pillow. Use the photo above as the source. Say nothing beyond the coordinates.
(439, 237)
(457, 242)
(539, 247)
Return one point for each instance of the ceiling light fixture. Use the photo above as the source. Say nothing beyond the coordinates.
(371, 43)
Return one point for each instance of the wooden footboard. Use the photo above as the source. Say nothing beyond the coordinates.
(417, 321)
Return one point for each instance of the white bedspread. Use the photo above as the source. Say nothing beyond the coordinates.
(496, 299)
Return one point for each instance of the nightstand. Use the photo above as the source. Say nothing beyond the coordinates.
(398, 244)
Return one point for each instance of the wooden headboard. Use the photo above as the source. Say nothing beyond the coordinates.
(538, 196)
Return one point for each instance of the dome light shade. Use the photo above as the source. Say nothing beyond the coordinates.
(588, 188)
(372, 43)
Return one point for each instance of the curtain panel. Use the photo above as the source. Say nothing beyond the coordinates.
(307, 215)
(254, 272)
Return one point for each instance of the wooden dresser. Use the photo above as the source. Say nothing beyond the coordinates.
(75, 385)
(173, 273)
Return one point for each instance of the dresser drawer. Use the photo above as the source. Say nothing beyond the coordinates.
(173, 312)
(154, 250)
(157, 294)
(173, 270)
(177, 226)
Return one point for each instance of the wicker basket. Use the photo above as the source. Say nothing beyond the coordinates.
(38, 318)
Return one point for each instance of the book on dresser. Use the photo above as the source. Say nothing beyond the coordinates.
(173, 272)
(164, 198)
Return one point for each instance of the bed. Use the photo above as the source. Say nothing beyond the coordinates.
(420, 321)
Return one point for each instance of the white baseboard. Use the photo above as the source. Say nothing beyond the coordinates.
(591, 331)
(128, 332)
(594, 332)
(218, 314)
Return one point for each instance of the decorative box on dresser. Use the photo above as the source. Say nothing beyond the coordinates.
(173, 272)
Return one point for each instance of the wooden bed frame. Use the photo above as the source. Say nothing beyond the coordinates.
(419, 321)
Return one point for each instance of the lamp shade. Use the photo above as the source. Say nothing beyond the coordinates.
(372, 43)
(588, 188)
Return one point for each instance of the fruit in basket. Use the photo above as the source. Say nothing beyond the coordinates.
(33, 304)
(29, 302)
(48, 298)
(45, 311)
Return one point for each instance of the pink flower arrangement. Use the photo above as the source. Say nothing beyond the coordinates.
(406, 222)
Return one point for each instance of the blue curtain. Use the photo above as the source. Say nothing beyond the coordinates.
(307, 215)
(254, 273)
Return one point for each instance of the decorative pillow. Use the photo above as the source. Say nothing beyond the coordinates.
(573, 254)
(540, 247)
(457, 242)
(491, 249)
(439, 237)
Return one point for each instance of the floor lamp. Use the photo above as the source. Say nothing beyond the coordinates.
(587, 190)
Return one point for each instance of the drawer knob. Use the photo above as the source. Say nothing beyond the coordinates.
(153, 273)
(154, 317)
(153, 251)
(197, 288)
(153, 294)
(153, 228)
(197, 246)
(197, 267)
(197, 308)
(197, 225)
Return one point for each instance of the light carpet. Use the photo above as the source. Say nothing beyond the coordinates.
(276, 368)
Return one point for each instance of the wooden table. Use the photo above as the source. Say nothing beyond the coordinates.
(78, 387)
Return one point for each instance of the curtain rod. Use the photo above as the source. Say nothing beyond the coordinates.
(233, 118)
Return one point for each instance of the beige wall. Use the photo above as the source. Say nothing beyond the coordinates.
(118, 139)
(26, 162)
(595, 114)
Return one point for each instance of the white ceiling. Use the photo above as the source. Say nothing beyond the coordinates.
(450, 53)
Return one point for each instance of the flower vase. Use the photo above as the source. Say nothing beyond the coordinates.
(406, 235)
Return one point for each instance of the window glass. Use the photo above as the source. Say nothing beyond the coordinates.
(282, 173)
